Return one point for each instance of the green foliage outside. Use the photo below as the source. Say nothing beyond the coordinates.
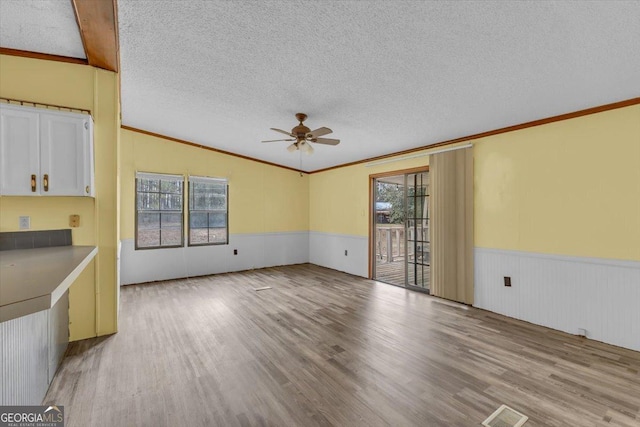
(394, 194)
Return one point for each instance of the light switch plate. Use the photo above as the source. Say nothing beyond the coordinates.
(24, 222)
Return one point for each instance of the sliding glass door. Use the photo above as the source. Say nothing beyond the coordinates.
(417, 230)
(389, 230)
(400, 231)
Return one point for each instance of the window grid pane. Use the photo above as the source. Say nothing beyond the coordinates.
(208, 211)
(159, 206)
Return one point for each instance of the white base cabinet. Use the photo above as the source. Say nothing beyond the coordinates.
(45, 152)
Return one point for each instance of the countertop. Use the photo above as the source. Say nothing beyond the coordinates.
(32, 280)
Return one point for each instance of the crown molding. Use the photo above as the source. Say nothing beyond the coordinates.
(540, 122)
(43, 56)
(205, 147)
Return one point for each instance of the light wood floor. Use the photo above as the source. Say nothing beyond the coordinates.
(327, 348)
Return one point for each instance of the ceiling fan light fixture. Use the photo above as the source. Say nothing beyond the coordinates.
(302, 136)
(308, 148)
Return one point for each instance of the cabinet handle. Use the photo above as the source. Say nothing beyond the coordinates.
(45, 182)
(33, 183)
(87, 189)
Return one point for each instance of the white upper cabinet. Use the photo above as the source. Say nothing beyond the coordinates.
(45, 152)
(64, 152)
(19, 152)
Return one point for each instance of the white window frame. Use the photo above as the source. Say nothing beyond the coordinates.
(165, 177)
(204, 179)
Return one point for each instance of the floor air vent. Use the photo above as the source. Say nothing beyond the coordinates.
(505, 417)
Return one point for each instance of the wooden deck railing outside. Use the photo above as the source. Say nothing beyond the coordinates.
(390, 239)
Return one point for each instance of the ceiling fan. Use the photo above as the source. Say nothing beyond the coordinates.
(302, 136)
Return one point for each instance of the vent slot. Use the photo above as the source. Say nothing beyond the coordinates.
(505, 417)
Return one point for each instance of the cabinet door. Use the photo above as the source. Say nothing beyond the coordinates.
(64, 143)
(19, 152)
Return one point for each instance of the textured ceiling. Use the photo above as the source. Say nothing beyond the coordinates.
(44, 26)
(384, 75)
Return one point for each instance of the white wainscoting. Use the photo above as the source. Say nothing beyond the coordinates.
(561, 292)
(254, 251)
(327, 250)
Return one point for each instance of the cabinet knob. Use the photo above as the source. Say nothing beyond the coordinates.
(45, 182)
(87, 189)
(33, 183)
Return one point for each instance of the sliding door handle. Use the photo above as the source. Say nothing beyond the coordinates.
(45, 182)
(33, 183)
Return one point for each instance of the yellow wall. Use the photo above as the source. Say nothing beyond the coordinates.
(51, 216)
(569, 187)
(262, 198)
(339, 198)
(106, 113)
(93, 296)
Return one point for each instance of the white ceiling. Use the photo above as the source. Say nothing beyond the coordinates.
(384, 75)
(44, 26)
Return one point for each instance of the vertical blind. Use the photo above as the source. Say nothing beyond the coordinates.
(451, 176)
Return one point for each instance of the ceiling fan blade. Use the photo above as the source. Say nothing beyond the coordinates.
(283, 131)
(278, 140)
(319, 132)
(328, 141)
(292, 148)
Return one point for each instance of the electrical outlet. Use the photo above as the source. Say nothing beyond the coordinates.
(345, 252)
(235, 252)
(507, 281)
(24, 222)
(74, 221)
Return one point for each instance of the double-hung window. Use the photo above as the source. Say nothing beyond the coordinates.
(159, 210)
(208, 211)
